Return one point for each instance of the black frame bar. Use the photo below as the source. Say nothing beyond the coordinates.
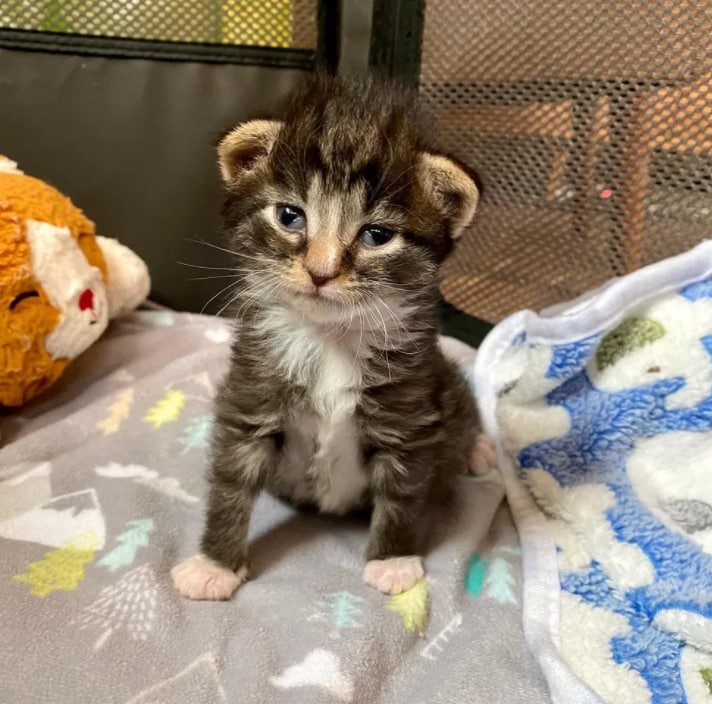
(30, 40)
(325, 57)
(329, 32)
(396, 38)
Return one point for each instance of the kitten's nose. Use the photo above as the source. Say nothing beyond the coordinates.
(321, 279)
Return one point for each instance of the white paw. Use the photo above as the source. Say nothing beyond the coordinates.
(483, 457)
(394, 575)
(199, 577)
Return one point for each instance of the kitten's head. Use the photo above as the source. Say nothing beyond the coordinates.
(341, 204)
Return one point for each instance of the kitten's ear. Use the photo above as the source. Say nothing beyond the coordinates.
(450, 188)
(243, 147)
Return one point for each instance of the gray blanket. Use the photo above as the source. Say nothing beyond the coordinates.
(101, 486)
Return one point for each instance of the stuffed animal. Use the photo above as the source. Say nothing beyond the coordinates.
(59, 284)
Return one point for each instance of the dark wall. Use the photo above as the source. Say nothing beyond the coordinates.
(132, 143)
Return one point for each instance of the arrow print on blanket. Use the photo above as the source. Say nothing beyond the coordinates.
(436, 646)
(199, 683)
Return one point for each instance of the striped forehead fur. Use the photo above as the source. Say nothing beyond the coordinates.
(351, 131)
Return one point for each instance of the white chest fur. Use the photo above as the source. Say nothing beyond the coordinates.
(322, 457)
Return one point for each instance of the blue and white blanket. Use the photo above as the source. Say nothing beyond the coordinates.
(602, 410)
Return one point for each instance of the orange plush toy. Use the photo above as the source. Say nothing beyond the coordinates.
(59, 284)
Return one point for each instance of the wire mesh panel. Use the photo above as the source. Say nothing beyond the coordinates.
(590, 126)
(272, 23)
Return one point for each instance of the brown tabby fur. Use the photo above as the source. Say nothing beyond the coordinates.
(361, 366)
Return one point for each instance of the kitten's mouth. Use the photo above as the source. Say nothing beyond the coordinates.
(317, 299)
(321, 294)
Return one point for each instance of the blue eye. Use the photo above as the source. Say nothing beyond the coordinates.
(291, 217)
(375, 236)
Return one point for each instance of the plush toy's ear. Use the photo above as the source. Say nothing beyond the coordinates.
(452, 191)
(245, 146)
(8, 166)
(127, 280)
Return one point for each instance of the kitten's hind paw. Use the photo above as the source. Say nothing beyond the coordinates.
(393, 575)
(483, 457)
(199, 577)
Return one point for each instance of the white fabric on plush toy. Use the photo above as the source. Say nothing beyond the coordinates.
(73, 286)
(128, 282)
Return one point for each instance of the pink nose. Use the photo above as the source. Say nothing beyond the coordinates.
(86, 300)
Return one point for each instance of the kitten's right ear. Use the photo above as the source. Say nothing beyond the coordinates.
(450, 188)
(245, 146)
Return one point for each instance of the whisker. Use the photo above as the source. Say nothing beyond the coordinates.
(260, 290)
(214, 246)
(400, 326)
(231, 300)
(207, 278)
(385, 340)
(211, 268)
(219, 293)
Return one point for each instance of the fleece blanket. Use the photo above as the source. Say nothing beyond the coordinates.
(101, 493)
(602, 410)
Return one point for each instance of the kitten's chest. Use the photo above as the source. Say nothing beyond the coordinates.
(322, 457)
(322, 460)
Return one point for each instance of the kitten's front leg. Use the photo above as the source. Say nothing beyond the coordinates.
(238, 471)
(392, 566)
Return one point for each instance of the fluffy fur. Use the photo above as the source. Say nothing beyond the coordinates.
(338, 396)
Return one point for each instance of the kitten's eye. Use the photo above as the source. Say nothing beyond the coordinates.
(291, 217)
(376, 236)
(21, 297)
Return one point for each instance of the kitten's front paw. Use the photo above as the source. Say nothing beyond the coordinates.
(483, 457)
(199, 577)
(393, 575)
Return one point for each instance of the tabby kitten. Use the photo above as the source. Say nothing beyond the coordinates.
(337, 395)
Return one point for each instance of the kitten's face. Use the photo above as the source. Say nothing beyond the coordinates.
(339, 209)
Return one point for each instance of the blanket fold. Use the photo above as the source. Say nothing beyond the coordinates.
(602, 409)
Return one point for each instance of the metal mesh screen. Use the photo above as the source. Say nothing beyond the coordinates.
(590, 125)
(273, 23)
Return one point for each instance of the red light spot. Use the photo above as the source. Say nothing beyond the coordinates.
(86, 300)
(606, 193)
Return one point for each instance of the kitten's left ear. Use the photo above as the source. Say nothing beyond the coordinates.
(243, 147)
(452, 190)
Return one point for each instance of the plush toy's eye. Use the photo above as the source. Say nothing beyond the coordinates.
(22, 296)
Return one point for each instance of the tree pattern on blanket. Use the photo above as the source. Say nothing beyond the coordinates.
(197, 433)
(61, 569)
(128, 542)
(166, 410)
(118, 412)
(341, 610)
(412, 605)
(605, 427)
(129, 604)
(116, 616)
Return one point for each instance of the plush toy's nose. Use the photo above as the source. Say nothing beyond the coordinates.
(86, 300)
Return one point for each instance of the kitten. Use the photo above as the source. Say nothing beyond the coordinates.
(337, 395)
